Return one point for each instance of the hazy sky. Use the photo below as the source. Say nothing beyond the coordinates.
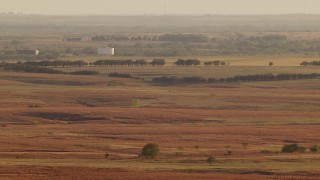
(96, 7)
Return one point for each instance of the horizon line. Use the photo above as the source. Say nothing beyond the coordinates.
(158, 14)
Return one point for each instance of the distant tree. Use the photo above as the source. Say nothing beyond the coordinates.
(158, 62)
(150, 150)
(106, 155)
(208, 63)
(314, 148)
(291, 148)
(271, 64)
(210, 160)
(304, 63)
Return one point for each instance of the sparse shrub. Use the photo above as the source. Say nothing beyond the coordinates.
(50, 133)
(245, 145)
(228, 151)
(136, 103)
(291, 148)
(197, 147)
(120, 75)
(302, 149)
(271, 64)
(165, 79)
(265, 152)
(210, 160)
(314, 148)
(34, 122)
(150, 150)
(34, 106)
(86, 72)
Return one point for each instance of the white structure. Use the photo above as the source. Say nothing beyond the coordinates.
(106, 51)
(28, 52)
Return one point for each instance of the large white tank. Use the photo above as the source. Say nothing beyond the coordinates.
(106, 51)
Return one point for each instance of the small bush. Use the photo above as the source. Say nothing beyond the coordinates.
(136, 103)
(34, 122)
(34, 106)
(228, 153)
(150, 150)
(314, 148)
(85, 72)
(210, 160)
(265, 152)
(178, 154)
(120, 75)
(291, 148)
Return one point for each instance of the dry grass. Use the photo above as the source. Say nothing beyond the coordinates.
(78, 124)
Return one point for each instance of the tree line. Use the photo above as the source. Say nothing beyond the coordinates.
(129, 62)
(57, 63)
(196, 62)
(239, 78)
(312, 63)
(81, 63)
(20, 67)
(196, 38)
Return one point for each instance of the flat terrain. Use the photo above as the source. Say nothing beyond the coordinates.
(61, 126)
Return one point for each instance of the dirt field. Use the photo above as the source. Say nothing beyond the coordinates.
(61, 127)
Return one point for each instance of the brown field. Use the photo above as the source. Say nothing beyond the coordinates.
(61, 126)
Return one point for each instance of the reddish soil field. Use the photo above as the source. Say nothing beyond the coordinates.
(62, 126)
(38, 172)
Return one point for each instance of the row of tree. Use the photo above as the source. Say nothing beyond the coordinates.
(27, 68)
(129, 62)
(246, 78)
(216, 63)
(196, 38)
(19, 67)
(313, 63)
(196, 62)
(57, 63)
(187, 62)
(124, 38)
(81, 63)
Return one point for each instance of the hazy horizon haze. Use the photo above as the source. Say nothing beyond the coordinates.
(160, 7)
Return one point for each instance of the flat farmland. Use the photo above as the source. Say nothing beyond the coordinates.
(149, 73)
(54, 125)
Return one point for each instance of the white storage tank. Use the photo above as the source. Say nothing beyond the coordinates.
(106, 51)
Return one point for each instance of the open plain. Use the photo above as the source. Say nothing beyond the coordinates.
(56, 123)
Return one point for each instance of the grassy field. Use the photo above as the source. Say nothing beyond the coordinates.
(62, 126)
(61, 123)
